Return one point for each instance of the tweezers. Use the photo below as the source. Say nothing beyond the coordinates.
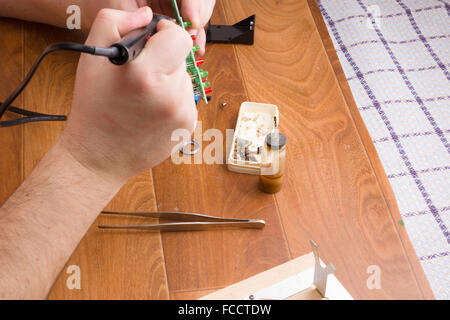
(191, 222)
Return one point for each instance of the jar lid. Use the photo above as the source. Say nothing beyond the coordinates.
(276, 140)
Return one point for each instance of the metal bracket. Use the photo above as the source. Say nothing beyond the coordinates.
(320, 273)
(242, 32)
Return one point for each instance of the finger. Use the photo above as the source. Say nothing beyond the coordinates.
(167, 49)
(192, 32)
(190, 9)
(201, 41)
(111, 25)
(142, 3)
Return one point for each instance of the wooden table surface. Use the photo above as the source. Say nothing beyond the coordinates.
(336, 191)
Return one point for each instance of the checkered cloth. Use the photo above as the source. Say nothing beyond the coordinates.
(396, 57)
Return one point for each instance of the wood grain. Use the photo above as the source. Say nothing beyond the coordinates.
(11, 42)
(191, 295)
(331, 193)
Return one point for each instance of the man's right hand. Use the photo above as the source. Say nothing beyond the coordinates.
(122, 117)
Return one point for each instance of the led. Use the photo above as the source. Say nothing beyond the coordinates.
(203, 73)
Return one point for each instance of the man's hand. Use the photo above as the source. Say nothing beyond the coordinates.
(122, 118)
(120, 124)
(54, 12)
(197, 11)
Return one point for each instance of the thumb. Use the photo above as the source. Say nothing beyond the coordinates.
(111, 25)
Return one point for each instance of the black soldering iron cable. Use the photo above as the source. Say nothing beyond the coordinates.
(30, 117)
(112, 52)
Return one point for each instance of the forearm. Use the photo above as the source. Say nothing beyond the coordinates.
(43, 222)
(44, 11)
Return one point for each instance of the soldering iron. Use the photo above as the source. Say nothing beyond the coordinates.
(119, 53)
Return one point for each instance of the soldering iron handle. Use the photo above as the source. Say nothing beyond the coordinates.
(133, 43)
